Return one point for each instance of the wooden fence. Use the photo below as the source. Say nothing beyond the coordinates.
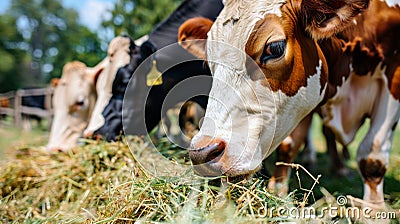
(16, 110)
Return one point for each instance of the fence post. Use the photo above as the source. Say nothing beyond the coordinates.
(48, 106)
(18, 109)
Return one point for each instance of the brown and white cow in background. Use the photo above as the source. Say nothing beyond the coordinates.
(73, 102)
(118, 54)
(81, 95)
(307, 51)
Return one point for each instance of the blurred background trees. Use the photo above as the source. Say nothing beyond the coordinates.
(38, 37)
(138, 17)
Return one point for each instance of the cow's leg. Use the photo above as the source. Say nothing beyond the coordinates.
(337, 164)
(345, 152)
(373, 152)
(287, 152)
(309, 157)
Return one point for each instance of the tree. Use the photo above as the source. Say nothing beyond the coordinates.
(51, 36)
(138, 17)
(12, 55)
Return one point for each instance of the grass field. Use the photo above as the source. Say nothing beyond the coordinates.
(11, 138)
(107, 182)
(352, 184)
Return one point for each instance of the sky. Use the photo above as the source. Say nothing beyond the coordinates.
(90, 12)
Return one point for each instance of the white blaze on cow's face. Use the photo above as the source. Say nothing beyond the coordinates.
(73, 102)
(118, 56)
(251, 109)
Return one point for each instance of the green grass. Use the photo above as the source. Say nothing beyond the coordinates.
(12, 138)
(352, 184)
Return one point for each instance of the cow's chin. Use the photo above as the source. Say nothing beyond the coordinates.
(232, 168)
(59, 148)
(213, 169)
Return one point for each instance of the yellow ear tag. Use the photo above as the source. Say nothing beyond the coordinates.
(154, 77)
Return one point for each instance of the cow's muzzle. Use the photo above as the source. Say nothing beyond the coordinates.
(206, 154)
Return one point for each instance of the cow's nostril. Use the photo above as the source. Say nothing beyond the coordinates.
(214, 152)
(80, 103)
(207, 154)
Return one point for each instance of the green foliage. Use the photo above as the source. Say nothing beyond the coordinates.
(138, 17)
(11, 54)
(37, 38)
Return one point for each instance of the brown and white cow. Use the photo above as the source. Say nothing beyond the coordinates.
(191, 36)
(81, 95)
(73, 102)
(305, 51)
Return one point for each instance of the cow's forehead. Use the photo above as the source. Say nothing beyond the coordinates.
(118, 43)
(73, 70)
(235, 24)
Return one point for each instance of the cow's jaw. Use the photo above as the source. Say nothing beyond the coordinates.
(234, 116)
(69, 129)
(73, 102)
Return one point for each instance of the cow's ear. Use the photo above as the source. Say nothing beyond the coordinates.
(97, 75)
(93, 74)
(147, 49)
(196, 47)
(54, 82)
(192, 35)
(324, 18)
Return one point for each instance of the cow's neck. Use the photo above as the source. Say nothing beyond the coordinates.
(362, 68)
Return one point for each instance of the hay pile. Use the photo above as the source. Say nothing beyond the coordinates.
(38, 186)
(103, 183)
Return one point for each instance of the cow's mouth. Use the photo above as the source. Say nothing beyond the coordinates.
(239, 178)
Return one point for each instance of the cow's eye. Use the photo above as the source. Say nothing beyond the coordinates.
(273, 50)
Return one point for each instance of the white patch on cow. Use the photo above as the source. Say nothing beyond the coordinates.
(288, 141)
(300, 102)
(390, 115)
(242, 112)
(353, 100)
(276, 8)
(375, 196)
(141, 40)
(118, 53)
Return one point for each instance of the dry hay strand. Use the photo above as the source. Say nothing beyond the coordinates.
(37, 185)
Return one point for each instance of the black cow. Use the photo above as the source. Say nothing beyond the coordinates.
(142, 110)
